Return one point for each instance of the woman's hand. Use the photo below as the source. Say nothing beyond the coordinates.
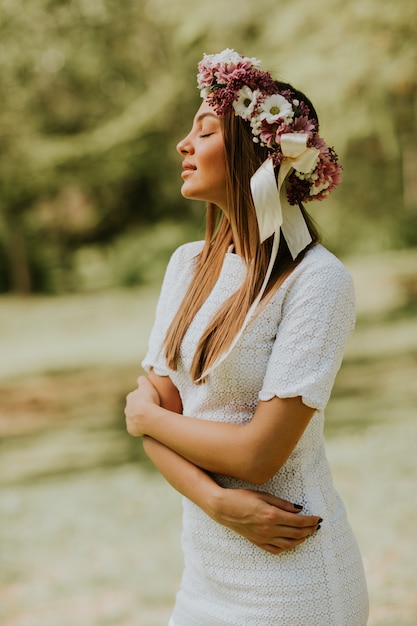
(268, 522)
(138, 404)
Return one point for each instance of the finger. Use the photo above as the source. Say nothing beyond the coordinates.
(286, 543)
(283, 536)
(278, 502)
(280, 547)
(289, 507)
(288, 533)
(285, 518)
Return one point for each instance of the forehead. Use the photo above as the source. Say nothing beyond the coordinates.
(205, 111)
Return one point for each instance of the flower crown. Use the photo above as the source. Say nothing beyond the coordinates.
(230, 81)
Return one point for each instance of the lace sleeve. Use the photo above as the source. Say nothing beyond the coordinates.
(176, 280)
(318, 316)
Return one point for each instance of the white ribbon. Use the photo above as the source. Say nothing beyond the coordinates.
(274, 213)
(297, 155)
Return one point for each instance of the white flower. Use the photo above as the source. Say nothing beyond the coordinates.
(246, 102)
(229, 56)
(275, 107)
(315, 190)
(255, 125)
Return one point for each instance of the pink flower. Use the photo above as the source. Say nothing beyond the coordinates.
(270, 134)
(329, 175)
(205, 75)
(267, 136)
(224, 73)
(304, 125)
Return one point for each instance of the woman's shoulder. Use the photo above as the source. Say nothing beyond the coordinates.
(187, 253)
(320, 262)
(320, 271)
(319, 287)
(180, 270)
(182, 263)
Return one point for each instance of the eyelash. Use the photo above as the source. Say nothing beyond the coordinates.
(205, 135)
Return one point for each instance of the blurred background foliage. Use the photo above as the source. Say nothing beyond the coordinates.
(96, 93)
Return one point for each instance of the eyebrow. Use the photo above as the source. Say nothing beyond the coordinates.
(207, 114)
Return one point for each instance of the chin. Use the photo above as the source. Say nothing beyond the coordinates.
(189, 195)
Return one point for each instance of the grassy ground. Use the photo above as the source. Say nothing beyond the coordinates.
(89, 534)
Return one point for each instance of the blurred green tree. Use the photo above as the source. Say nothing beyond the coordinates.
(88, 88)
(95, 94)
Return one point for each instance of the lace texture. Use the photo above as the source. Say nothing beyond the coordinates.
(293, 347)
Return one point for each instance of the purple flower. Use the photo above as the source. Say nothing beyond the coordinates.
(297, 189)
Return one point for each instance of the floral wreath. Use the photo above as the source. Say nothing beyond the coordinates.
(279, 121)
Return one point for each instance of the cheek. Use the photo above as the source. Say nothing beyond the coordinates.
(220, 164)
(212, 164)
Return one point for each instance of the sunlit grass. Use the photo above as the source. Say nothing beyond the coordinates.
(90, 534)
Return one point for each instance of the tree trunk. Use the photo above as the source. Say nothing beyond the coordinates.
(16, 254)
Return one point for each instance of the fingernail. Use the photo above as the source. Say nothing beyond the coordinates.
(297, 506)
(318, 527)
(320, 521)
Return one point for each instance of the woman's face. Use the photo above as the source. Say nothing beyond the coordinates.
(204, 164)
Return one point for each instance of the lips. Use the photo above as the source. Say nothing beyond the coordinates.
(187, 168)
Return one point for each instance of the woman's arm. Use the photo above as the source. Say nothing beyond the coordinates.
(270, 523)
(253, 451)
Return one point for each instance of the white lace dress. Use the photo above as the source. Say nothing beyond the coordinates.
(294, 347)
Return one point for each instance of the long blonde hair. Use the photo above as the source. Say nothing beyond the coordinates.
(243, 157)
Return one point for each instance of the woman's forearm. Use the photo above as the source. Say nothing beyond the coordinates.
(253, 452)
(188, 479)
(270, 523)
(203, 443)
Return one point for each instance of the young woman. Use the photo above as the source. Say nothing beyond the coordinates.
(249, 334)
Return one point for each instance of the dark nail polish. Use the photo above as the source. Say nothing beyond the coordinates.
(297, 506)
(320, 521)
(318, 527)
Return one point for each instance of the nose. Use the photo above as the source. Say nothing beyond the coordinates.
(185, 146)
